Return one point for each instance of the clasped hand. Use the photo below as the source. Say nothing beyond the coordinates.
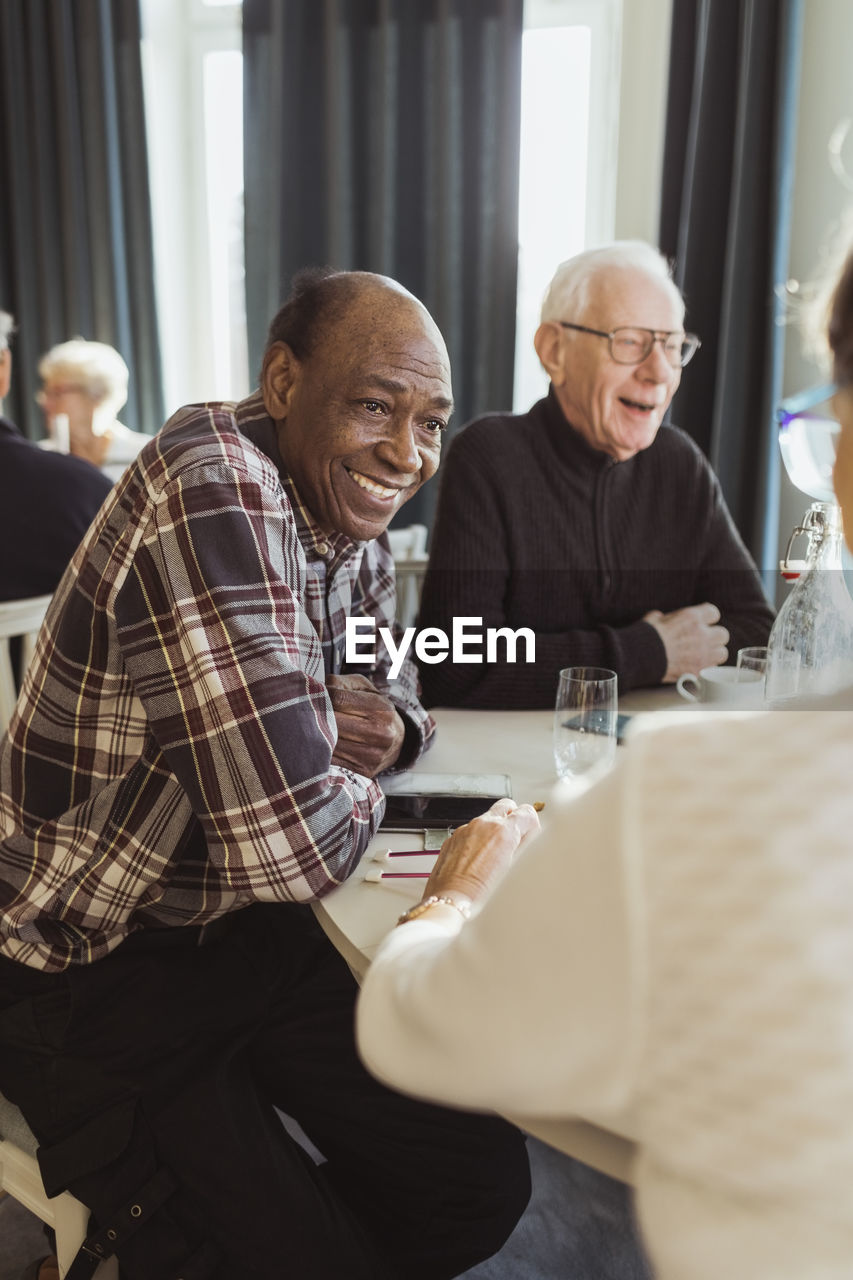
(692, 638)
(370, 729)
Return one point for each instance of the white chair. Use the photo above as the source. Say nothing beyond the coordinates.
(17, 618)
(408, 547)
(21, 1179)
(19, 1170)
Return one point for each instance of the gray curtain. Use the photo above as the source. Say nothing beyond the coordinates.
(728, 173)
(383, 135)
(75, 222)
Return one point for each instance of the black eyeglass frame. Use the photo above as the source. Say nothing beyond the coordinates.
(691, 340)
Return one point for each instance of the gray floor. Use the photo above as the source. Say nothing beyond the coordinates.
(21, 1239)
(578, 1226)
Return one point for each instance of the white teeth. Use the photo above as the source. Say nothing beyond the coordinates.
(371, 486)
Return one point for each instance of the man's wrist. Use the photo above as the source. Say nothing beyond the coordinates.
(410, 747)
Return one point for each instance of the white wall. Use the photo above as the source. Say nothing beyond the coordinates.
(642, 117)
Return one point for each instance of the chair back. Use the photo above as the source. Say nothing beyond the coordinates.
(408, 543)
(17, 618)
(20, 1178)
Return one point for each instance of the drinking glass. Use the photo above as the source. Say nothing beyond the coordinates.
(585, 721)
(752, 659)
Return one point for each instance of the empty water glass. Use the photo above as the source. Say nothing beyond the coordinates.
(585, 721)
(752, 667)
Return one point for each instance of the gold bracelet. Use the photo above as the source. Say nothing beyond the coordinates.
(434, 900)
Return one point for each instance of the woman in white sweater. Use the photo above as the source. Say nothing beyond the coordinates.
(719, 1030)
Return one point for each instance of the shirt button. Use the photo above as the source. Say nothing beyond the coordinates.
(323, 548)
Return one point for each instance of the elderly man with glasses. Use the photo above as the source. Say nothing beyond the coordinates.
(585, 519)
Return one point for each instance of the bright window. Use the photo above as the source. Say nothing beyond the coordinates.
(193, 67)
(569, 112)
(223, 125)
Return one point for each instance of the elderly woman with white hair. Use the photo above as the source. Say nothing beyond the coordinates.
(673, 958)
(84, 387)
(674, 954)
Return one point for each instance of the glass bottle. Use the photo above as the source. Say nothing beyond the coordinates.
(810, 650)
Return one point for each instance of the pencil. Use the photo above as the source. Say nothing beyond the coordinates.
(374, 875)
(382, 854)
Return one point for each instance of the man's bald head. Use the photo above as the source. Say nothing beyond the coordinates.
(321, 297)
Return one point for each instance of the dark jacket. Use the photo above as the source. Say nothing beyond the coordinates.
(47, 502)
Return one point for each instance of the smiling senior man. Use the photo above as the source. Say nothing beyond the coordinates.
(585, 519)
(188, 768)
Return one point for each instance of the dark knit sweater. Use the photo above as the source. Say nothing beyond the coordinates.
(536, 529)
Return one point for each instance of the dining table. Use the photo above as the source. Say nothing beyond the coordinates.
(359, 913)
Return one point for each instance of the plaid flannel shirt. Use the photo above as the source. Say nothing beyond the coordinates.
(170, 755)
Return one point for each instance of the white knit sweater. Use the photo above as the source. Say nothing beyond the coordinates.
(674, 953)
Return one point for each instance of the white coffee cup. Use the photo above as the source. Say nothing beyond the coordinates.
(722, 685)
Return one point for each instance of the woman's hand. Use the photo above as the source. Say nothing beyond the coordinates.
(475, 856)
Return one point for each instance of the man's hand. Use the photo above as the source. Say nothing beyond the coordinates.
(370, 730)
(691, 638)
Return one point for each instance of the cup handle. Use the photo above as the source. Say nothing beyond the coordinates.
(681, 685)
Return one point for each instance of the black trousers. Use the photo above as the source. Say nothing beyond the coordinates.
(169, 1057)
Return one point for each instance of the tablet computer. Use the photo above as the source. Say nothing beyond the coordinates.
(419, 801)
(417, 812)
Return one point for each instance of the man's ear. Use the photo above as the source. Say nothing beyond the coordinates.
(5, 372)
(550, 348)
(279, 375)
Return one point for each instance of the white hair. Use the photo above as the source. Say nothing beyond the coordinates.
(98, 368)
(7, 328)
(567, 295)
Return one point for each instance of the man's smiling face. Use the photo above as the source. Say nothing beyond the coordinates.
(618, 408)
(360, 419)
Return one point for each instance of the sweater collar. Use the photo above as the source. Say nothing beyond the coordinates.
(568, 443)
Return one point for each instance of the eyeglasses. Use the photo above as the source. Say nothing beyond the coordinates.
(808, 441)
(44, 396)
(632, 345)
